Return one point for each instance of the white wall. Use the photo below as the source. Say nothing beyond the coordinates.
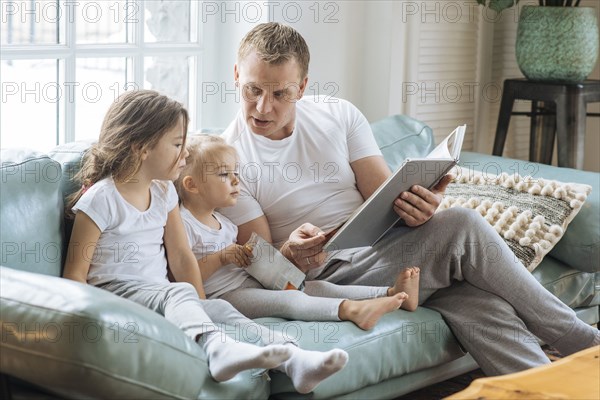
(334, 31)
(335, 37)
(222, 33)
(592, 129)
(502, 63)
(362, 51)
(365, 50)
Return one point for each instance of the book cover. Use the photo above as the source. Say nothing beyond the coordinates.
(271, 268)
(376, 216)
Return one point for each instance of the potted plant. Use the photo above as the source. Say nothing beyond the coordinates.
(557, 41)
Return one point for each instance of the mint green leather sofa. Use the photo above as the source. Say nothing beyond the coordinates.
(77, 341)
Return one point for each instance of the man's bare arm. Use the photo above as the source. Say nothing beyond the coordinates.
(370, 173)
(259, 225)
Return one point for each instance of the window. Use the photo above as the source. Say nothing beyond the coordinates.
(63, 62)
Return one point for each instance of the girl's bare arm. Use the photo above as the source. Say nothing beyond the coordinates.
(181, 260)
(83, 242)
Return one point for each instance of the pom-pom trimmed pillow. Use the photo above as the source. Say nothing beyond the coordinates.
(530, 214)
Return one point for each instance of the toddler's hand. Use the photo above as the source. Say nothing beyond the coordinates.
(236, 254)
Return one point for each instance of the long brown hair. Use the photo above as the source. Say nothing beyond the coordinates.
(134, 122)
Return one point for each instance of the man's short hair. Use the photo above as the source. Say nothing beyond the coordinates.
(276, 44)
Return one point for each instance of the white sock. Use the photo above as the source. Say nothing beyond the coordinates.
(226, 357)
(308, 368)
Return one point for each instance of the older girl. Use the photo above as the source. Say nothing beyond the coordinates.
(127, 229)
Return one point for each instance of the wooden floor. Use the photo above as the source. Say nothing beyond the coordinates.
(574, 377)
(459, 383)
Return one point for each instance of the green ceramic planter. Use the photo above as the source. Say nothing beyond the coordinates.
(557, 44)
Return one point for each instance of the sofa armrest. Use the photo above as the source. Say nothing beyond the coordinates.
(31, 212)
(80, 341)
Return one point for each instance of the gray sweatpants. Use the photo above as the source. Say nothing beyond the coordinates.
(468, 274)
(179, 304)
(320, 300)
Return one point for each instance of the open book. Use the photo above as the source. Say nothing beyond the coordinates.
(376, 216)
(271, 268)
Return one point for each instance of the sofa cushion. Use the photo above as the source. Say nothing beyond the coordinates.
(31, 212)
(402, 342)
(580, 245)
(399, 137)
(573, 287)
(79, 341)
(530, 214)
(69, 156)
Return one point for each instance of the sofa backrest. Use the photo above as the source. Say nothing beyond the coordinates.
(31, 211)
(35, 188)
(69, 156)
(400, 137)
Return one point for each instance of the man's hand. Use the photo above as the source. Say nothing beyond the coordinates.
(235, 254)
(418, 206)
(305, 247)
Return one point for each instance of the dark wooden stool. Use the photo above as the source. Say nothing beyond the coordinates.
(562, 108)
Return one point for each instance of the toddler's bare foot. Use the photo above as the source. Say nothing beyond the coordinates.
(408, 282)
(366, 313)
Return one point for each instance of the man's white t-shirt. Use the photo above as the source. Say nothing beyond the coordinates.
(205, 240)
(305, 177)
(131, 245)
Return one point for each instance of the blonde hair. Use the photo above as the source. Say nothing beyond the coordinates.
(135, 121)
(205, 151)
(276, 44)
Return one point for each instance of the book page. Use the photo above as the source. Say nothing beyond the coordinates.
(271, 268)
(450, 147)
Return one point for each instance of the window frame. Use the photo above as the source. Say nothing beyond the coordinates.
(137, 50)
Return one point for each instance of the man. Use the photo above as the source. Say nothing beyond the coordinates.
(308, 160)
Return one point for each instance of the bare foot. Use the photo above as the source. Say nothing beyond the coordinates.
(408, 282)
(366, 313)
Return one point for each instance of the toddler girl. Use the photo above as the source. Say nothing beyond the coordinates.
(127, 229)
(209, 181)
